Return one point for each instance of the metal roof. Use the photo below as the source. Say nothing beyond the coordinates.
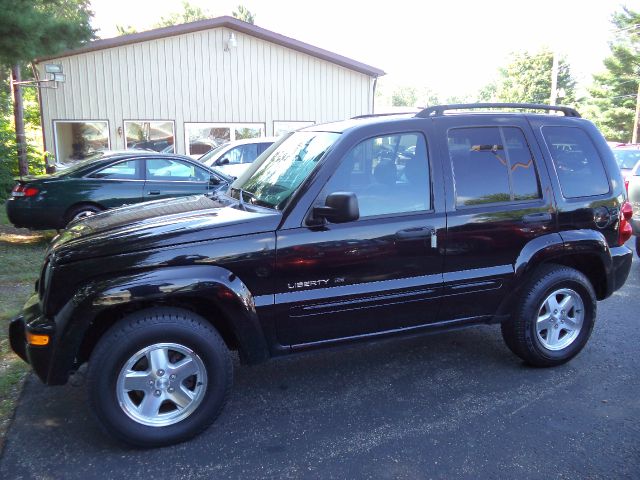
(228, 22)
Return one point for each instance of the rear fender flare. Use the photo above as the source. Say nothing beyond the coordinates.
(551, 247)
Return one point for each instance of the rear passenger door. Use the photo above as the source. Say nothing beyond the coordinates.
(499, 201)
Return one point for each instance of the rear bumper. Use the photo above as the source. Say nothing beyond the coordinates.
(23, 213)
(31, 320)
(621, 258)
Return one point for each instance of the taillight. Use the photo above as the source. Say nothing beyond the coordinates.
(625, 231)
(626, 185)
(24, 191)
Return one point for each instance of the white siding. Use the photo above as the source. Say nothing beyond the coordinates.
(191, 78)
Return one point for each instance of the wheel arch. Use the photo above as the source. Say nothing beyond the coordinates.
(212, 292)
(76, 205)
(584, 250)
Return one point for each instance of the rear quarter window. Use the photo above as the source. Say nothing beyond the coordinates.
(577, 163)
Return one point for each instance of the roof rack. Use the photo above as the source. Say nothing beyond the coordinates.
(371, 115)
(439, 110)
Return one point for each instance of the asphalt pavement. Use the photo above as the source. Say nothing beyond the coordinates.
(455, 405)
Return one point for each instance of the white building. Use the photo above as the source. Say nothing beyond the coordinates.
(189, 87)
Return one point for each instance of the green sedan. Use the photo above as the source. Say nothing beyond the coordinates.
(113, 180)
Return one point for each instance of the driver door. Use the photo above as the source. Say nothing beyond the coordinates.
(380, 273)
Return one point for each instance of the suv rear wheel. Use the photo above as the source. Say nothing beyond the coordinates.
(554, 318)
(159, 376)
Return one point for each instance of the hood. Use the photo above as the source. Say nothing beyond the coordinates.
(157, 224)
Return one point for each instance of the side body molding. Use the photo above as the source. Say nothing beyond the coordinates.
(212, 283)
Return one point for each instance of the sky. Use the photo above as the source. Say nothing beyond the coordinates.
(453, 47)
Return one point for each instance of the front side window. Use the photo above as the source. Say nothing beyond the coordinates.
(128, 170)
(492, 165)
(168, 170)
(283, 171)
(578, 164)
(153, 135)
(388, 174)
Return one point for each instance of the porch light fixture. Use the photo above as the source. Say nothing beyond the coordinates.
(232, 42)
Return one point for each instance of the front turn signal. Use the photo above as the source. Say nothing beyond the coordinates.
(37, 339)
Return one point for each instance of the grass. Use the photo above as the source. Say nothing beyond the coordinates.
(21, 256)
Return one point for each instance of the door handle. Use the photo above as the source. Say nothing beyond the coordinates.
(411, 233)
(419, 232)
(537, 217)
(154, 192)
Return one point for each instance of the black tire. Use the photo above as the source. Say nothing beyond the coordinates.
(519, 331)
(144, 329)
(80, 210)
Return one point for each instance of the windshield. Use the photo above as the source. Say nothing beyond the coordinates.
(283, 171)
(211, 153)
(627, 158)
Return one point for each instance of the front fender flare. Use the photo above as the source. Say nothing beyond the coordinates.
(212, 283)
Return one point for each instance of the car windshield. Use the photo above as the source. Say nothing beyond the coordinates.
(627, 158)
(207, 157)
(280, 174)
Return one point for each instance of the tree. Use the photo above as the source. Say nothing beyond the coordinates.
(38, 28)
(404, 97)
(126, 29)
(244, 14)
(527, 79)
(31, 29)
(190, 13)
(614, 92)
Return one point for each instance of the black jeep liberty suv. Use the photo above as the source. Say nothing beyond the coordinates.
(371, 227)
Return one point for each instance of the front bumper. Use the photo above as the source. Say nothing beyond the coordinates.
(32, 320)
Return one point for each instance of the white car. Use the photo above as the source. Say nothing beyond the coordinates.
(234, 158)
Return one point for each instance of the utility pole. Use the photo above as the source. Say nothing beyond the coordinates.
(634, 138)
(18, 113)
(554, 79)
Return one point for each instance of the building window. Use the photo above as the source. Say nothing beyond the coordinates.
(280, 127)
(78, 140)
(202, 137)
(150, 135)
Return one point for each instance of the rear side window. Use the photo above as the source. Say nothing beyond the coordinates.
(578, 165)
(491, 165)
(127, 170)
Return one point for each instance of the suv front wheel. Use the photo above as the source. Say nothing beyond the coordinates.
(159, 376)
(554, 317)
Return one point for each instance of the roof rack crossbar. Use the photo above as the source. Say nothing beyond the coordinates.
(438, 110)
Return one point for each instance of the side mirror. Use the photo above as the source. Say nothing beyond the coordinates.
(222, 161)
(214, 180)
(340, 207)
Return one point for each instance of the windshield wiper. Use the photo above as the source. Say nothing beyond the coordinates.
(241, 193)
